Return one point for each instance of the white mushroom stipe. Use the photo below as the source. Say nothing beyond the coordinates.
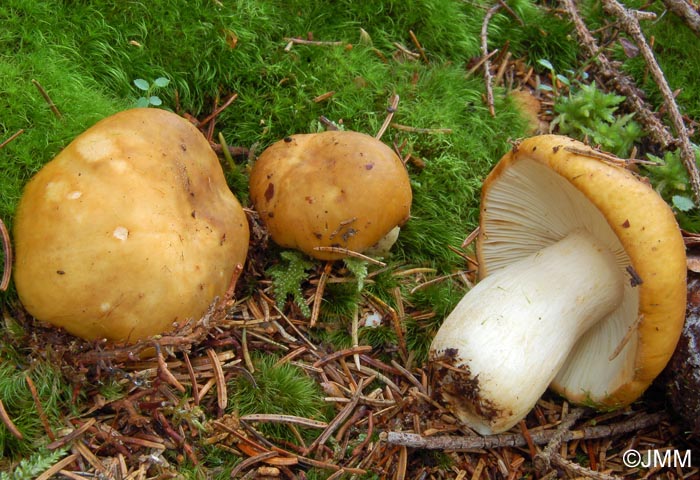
(528, 315)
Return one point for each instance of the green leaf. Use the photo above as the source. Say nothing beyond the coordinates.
(161, 82)
(141, 84)
(684, 204)
(546, 64)
(142, 102)
(155, 101)
(563, 79)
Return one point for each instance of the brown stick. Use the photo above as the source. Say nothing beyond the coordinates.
(391, 110)
(12, 137)
(46, 96)
(7, 254)
(338, 420)
(657, 130)
(543, 459)
(455, 443)
(221, 392)
(217, 111)
(39, 408)
(684, 9)
(415, 41)
(630, 23)
(9, 424)
(73, 435)
(488, 78)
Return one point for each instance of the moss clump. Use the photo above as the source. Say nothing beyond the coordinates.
(278, 389)
(54, 397)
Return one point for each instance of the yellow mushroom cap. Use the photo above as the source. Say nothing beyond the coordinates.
(128, 230)
(549, 186)
(331, 189)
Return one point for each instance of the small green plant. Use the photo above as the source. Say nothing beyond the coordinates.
(33, 466)
(557, 77)
(287, 277)
(590, 114)
(670, 178)
(149, 98)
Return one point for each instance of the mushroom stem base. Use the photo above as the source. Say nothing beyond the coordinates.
(502, 345)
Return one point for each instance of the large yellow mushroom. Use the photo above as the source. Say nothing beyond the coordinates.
(582, 289)
(130, 230)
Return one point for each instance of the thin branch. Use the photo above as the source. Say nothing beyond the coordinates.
(282, 418)
(542, 437)
(7, 253)
(630, 23)
(217, 111)
(543, 459)
(350, 253)
(488, 78)
(39, 408)
(685, 10)
(318, 296)
(9, 424)
(12, 137)
(415, 41)
(46, 96)
(391, 110)
(657, 130)
(300, 41)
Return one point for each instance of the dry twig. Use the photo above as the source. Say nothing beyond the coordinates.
(488, 78)
(657, 131)
(630, 23)
(543, 459)
(47, 98)
(391, 110)
(461, 443)
(685, 10)
(11, 137)
(623, 83)
(7, 257)
(9, 424)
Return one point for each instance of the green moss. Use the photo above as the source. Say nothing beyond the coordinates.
(339, 302)
(278, 389)
(53, 394)
(674, 45)
(534, 34)
(33, 466)
(80, 101)
(440, 299)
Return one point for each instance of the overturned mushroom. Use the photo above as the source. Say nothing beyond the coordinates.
(130, 229)
(582, 289)
(331, 189)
